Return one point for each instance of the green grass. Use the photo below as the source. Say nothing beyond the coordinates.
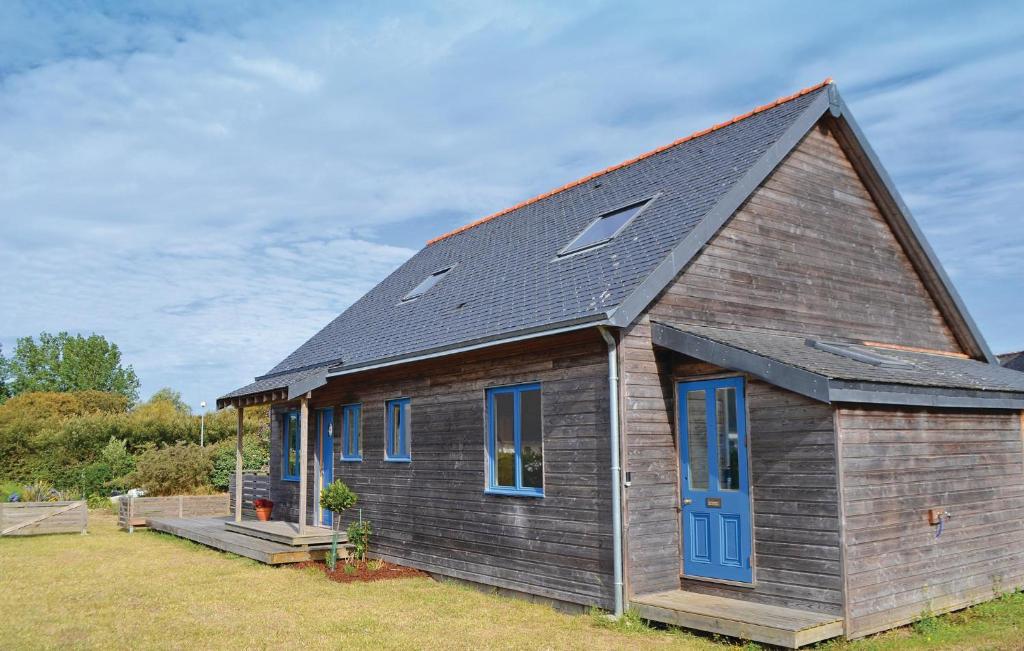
(111, 589)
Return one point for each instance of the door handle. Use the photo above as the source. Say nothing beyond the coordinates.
(687, 501)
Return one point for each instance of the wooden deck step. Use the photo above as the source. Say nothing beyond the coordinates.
(785, 627)
(286, 533)
(213, 533)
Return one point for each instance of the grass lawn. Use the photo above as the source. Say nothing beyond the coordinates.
(111, 589)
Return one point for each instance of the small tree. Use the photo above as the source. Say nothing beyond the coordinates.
(336, 497)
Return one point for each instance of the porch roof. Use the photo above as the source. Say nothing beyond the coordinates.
(276, 387)
(847, 371)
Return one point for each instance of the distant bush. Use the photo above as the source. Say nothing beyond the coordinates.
(180, 469)
(255, 456)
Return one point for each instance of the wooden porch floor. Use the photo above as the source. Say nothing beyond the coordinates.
(215, 532)
(286, 533)
(785, 627)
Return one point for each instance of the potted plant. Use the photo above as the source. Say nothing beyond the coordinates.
(263, 507)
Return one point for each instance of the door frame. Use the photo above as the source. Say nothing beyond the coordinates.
(324, 518)
(677, 380)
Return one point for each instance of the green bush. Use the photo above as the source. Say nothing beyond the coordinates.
(180, 469)
(8, 488)
(359, 536)
(255, 456)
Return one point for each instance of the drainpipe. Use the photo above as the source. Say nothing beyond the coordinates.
(613, 417)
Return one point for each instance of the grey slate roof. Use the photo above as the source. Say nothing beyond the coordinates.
(1013, 361)
(924, 369)
(279, 381)
(508, 279)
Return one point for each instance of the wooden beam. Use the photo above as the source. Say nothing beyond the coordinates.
(238, 465)
(303, 455)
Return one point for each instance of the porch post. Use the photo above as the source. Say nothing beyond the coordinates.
(238, 467)
(304, 456)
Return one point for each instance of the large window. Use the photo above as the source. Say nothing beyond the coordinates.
(351, 449)
(398, 446)
(515, 450)
(292, 455)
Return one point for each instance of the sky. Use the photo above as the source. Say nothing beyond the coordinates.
(208, 184)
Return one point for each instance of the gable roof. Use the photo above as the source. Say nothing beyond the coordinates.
(1013, 361)
(833, 372)
(508, 282)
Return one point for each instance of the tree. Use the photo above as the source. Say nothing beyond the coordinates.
(168, 394)
(63, 363)
(5, 390)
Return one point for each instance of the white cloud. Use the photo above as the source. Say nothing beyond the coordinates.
(209, 186)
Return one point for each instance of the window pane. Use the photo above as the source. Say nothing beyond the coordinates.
(697, 439)
(292, 441)
(426, 284)
(532, 460)
(394, 444)
(353, 428)
(604, 228)
(504, 440)
(728, 439)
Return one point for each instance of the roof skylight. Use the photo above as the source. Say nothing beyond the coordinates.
(427, 283)
(859, 354)
(604, 228)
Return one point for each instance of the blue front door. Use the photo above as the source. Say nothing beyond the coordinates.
(715, 481)
(326, 435)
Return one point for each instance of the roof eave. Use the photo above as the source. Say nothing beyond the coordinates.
(823, 388)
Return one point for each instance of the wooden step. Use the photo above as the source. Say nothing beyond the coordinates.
(286, 533)
(786, 627)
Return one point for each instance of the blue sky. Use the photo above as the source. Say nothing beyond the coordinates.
(207, 186)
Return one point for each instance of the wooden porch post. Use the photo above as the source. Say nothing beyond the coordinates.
(238, 467)
(303, 456)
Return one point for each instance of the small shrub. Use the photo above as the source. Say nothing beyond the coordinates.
(181, 469)
(40, 491)
(337, 496)
(375, 565)
(359, 536)
(349, 568)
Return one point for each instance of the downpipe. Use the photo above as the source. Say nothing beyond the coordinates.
(616, 469)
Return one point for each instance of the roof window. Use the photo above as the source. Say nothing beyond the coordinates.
(859, 354)
(427, 283)
(604, 228)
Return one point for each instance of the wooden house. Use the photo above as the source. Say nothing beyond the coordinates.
(1013, 360)
(726, 383)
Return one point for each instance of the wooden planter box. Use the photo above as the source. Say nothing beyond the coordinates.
(38, 518)
(136, 511)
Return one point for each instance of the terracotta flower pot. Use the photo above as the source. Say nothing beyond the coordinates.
(263, 508)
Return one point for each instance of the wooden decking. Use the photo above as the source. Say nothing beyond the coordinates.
(214, 532)
(785, 627)
(286, 533)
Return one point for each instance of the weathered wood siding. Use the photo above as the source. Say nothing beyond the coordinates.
(808, 253)
(433, 514)
(795, 505)
(255, 485)
(897, 464)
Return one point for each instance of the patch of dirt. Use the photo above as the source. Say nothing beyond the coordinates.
(361, 571)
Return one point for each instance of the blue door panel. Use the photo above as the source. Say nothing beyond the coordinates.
(715, 486)
(326, 428)
(700, 547)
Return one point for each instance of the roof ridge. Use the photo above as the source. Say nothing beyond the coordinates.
(648, 154)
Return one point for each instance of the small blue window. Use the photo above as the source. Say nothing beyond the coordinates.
(604, 228)
(292, 454)
(351, 449)
(515, 450)
(398, 446)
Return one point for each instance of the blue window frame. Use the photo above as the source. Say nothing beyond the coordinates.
(515, 448)
(291, 453)
(398, 446)
(351, 425)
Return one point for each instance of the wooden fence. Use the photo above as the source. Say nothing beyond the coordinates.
(136, 511)
(37, 518)
(254, 485)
